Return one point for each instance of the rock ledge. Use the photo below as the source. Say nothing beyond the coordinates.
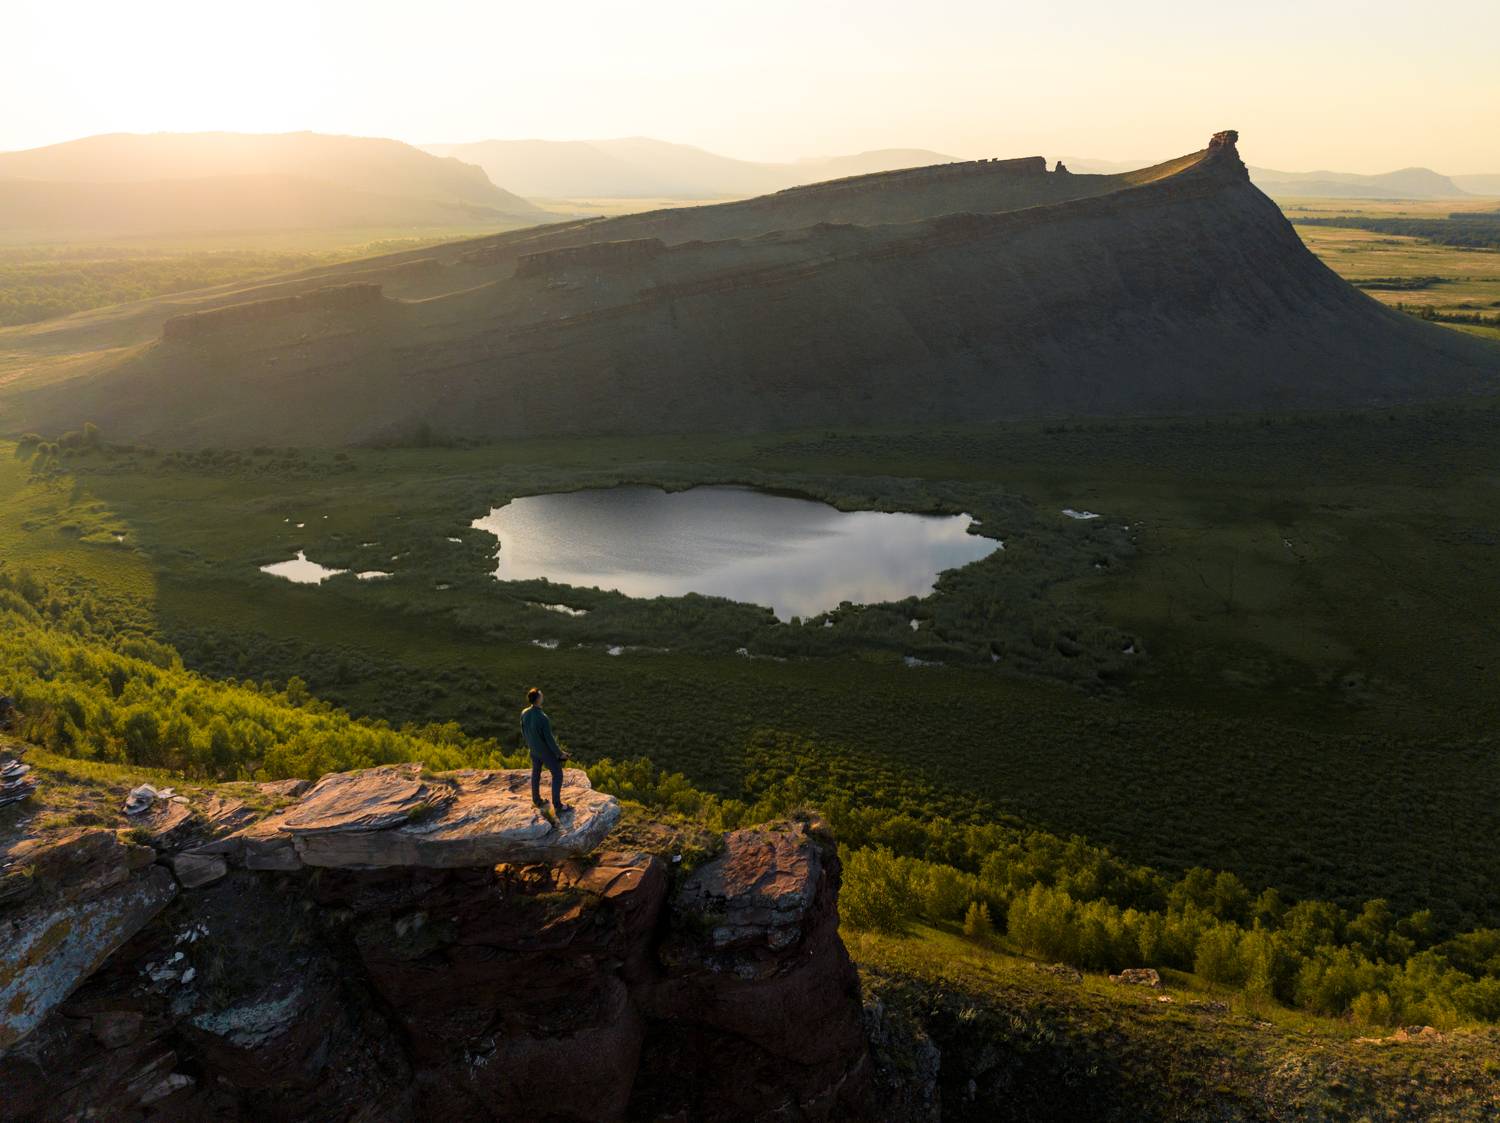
(402, 815)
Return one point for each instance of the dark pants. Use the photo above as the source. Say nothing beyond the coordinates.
(552, 764)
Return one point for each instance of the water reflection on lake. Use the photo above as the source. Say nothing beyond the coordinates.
(796, 556)
(301, 571)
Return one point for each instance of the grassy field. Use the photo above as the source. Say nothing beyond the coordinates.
(1387, 208)
(1402, 270)
(1310, 705)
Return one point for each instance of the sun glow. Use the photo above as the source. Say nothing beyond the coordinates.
(776, 79)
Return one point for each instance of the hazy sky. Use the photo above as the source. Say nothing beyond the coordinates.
(1354, 86)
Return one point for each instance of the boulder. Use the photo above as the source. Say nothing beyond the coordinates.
(758, 892)
(1137, 977)
(398, 815)
(1060, 970)
(758, 988)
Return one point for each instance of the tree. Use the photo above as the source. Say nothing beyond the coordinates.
(877, 893)
(1217, 957)
(977, 923)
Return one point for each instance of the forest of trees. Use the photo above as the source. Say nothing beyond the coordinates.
(89, 686)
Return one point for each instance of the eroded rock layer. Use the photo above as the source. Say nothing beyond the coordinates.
(595, 984)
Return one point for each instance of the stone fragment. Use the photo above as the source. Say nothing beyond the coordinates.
(221, 816)
(15, 784)
(197, 870)
(1137, 976)
(171, 1082)
(286, 789)
(144, 797)
(167, 823)
(1061, 970)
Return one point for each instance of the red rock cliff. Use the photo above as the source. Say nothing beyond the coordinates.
(607, 985)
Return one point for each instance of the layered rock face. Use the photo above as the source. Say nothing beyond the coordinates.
(388, 960)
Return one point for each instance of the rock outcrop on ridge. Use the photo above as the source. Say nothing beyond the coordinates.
(976, 291)
(394, 944)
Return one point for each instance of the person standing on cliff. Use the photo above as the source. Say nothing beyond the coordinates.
(536, 732)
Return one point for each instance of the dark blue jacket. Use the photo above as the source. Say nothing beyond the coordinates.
(536, 732)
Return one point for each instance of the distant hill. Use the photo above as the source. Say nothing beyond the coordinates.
(1408, 183)
(642, 168)
(187, 182)
(973, 291)
(1479, 184)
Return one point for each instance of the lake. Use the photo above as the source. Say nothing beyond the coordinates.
(797, 557)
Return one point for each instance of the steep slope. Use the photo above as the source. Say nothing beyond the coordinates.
(642, 168)
(975, 291)
(127, 183)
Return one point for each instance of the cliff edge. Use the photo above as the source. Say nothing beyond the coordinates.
(393, 944)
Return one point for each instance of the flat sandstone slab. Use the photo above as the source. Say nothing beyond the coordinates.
(397, 816)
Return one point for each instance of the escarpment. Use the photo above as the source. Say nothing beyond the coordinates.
(977, 292)
(398, 945)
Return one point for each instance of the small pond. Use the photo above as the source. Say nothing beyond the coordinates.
(796, 556)
(301, 571)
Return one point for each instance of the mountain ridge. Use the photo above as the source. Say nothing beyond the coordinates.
(1403, 183)
(982, 290)
(643, 167)
(130, 183)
